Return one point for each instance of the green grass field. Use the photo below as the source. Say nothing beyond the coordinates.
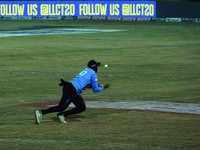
(148, 61)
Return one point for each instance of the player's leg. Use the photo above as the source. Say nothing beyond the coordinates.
(80, 106)
(68, 92)
(63, 104)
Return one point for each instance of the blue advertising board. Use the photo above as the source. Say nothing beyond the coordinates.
(142, 9)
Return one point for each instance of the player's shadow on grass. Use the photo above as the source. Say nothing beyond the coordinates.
(71, 118)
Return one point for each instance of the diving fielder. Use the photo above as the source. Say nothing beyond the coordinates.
(72, 93)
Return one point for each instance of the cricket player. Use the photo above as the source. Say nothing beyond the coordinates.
(72, 93)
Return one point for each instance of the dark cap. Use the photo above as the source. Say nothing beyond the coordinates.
(93, 63)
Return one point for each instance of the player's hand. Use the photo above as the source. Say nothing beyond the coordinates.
(107, 85)
(100, 85)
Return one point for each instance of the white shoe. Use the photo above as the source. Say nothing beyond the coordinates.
(62, 118)
(38, 116)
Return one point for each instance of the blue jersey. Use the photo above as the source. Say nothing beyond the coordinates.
(86, 78)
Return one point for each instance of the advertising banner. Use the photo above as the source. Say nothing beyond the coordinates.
(141, 9)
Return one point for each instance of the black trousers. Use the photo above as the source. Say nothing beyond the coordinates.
(69, 96)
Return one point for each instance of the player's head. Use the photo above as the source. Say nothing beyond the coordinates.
(93, 65)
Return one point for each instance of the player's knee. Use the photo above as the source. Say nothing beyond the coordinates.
(82, 109)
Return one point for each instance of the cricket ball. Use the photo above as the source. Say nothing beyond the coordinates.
(105, 65)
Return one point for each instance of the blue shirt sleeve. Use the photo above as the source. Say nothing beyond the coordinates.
(94, 82)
